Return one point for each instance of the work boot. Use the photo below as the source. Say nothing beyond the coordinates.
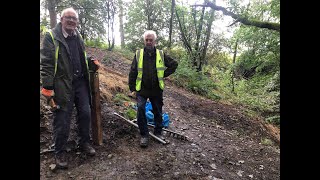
(144, 141)
(61, 160)
(88, 149)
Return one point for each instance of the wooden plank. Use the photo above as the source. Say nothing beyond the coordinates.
(96, 109)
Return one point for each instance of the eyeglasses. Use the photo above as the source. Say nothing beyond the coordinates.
(70, 18)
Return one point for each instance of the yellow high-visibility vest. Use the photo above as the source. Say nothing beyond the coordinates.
(159, 65)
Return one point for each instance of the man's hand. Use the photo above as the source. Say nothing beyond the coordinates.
(133, 94)
(96, 62)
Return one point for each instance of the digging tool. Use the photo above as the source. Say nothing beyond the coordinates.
(133, 95)
(97, 136)
(174, 134)
(136, 125)
(53, 104)
(171, 133)
(46, 151)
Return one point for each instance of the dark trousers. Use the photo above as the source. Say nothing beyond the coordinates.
(157, 103)
(61, 121)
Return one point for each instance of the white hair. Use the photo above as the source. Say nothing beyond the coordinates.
(69, 10)
(149, 32)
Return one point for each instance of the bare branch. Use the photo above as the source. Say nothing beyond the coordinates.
(237, 20)
(245, 21)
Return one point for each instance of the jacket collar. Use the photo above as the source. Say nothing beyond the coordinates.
(60, 37)
(65, 34)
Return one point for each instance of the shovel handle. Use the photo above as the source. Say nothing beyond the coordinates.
(53, 105)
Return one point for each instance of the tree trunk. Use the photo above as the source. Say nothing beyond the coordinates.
(233, 62)
(83, 34)
(183, 36)
(83, 23)
(112, 25)
(121, 23)
(173, 3)
(148, 11)
(52, 13)
(108, 22)
(198, 32)
(208, 34)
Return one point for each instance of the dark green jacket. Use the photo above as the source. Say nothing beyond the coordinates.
(61, 83)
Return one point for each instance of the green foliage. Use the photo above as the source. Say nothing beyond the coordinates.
(252, 89)
(246, 65)
(274, 120)
(257, 9)
(130, 114)
(265, 10)
(43, 29)
(91, 20)
(217, 59)
(275, 8)
(260, 94)
(200, 84)
(98, 43)
(260, 52)
(176, 52)
(266, 142)
(44, 22)
(119, 98)
(221, 77)
(137, 22)
(274, 83)
(259, 47)
(257, 67)
(270, 63)
(124, 52)
(195, 24)
(187, 77)
(254, 94)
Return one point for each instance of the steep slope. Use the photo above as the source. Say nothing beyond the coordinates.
(224, 142)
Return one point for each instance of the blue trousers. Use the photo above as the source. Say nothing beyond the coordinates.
(157, 103)
(61, 120)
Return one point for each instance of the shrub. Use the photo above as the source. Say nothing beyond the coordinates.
(120, 98)
(196, 82)
(130, 114)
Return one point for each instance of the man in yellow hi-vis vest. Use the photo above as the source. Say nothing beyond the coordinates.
(146, 80)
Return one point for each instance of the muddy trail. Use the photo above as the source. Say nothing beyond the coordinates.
(223, 142)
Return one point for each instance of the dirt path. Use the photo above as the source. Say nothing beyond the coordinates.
(224, 144)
